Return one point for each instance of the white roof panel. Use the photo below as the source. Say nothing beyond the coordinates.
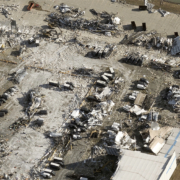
(136, 165)
(172, 144)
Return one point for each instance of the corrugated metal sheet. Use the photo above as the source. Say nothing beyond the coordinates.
(176, 46)
(110, 150)
(171, 166)
(172, 144)
(136, 165)
(156, 144)
(140, 99)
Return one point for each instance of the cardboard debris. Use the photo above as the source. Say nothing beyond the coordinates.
(162, 133)
(140, 99)
(137, 110)
(156, 145)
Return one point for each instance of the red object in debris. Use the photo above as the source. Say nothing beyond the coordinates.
(31, 5)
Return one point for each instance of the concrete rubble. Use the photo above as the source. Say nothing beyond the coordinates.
(154, 138)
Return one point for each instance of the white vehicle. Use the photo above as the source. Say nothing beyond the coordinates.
(46, 175)
(105, 78)
(127, 108)
(111, 70)
(101, 83)
(132, 97)
(110, 76)
(58, 159)
(55, 165)
(54, 83)
(75, 136)
(48, 171)
(140, 86)
(55, 134)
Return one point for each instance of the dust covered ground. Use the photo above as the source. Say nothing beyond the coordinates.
(23, 148)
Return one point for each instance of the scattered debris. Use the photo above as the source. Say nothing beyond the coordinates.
(163, 12)
(95, 26)
(34, 5)
(18, 76)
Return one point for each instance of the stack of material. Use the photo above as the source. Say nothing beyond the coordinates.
(173, 97)
(100, 52)
(8, 94)
(135, 59)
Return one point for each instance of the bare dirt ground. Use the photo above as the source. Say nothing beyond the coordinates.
(176, 174)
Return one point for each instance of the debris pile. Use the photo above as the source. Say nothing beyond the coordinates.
(123, 140)
(151, 40)
(35, 99)
(155, 63)
(137, 98)
(19, 123)
(8, 94)
(18, 76)
(173, 97)
(35, 103)
(67, 20)
(162, 64)
(83, 119)
(3, 146)
(154, 137)
(99, 52)
(84, 71)
(135, 59)
(113, 142)
(14, 36)
(150, 7)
